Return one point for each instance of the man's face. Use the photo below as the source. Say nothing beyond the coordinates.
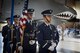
(8, 21)
(30, 15)
(16, 20)
(47, 18)
(24, 16)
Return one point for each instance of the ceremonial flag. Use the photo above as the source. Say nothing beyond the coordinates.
(23, 19)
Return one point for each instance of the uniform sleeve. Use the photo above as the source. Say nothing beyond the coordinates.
(4, 32)
(56, 39)
(40, 38)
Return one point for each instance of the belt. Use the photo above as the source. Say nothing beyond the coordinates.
(27, 34)
(47, 40)
(30, 36)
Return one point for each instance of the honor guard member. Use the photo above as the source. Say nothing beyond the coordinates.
(16, 41)
(14, 44)
(5, 34)
(29, 45)
(47, 35)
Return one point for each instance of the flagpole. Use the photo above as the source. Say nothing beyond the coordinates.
(23, 27)
(12, 11)
(12, 18)
(27, 3)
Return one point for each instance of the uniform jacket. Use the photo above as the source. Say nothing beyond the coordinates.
(5, 32)
(16, 34)
(45, 33)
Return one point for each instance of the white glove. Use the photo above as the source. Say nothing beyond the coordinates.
(51, 48)
(53, 44)
(14, 51)
(20, 48)
(31, 42)
(11, 45)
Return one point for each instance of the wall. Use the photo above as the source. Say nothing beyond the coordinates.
(0, 8)
(38, 5)
(18, 6)
(1, 26)
(41, 5)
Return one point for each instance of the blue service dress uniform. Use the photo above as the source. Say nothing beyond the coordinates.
(44, 36)
(28, 36)
(15, 40)
(5, 34)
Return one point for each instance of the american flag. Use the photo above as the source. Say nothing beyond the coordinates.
(23, 19)
(22, 24)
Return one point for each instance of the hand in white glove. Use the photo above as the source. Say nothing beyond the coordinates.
(11, 45)
(53, 44)
(14, 51)
(20, 48)
(51, 48)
